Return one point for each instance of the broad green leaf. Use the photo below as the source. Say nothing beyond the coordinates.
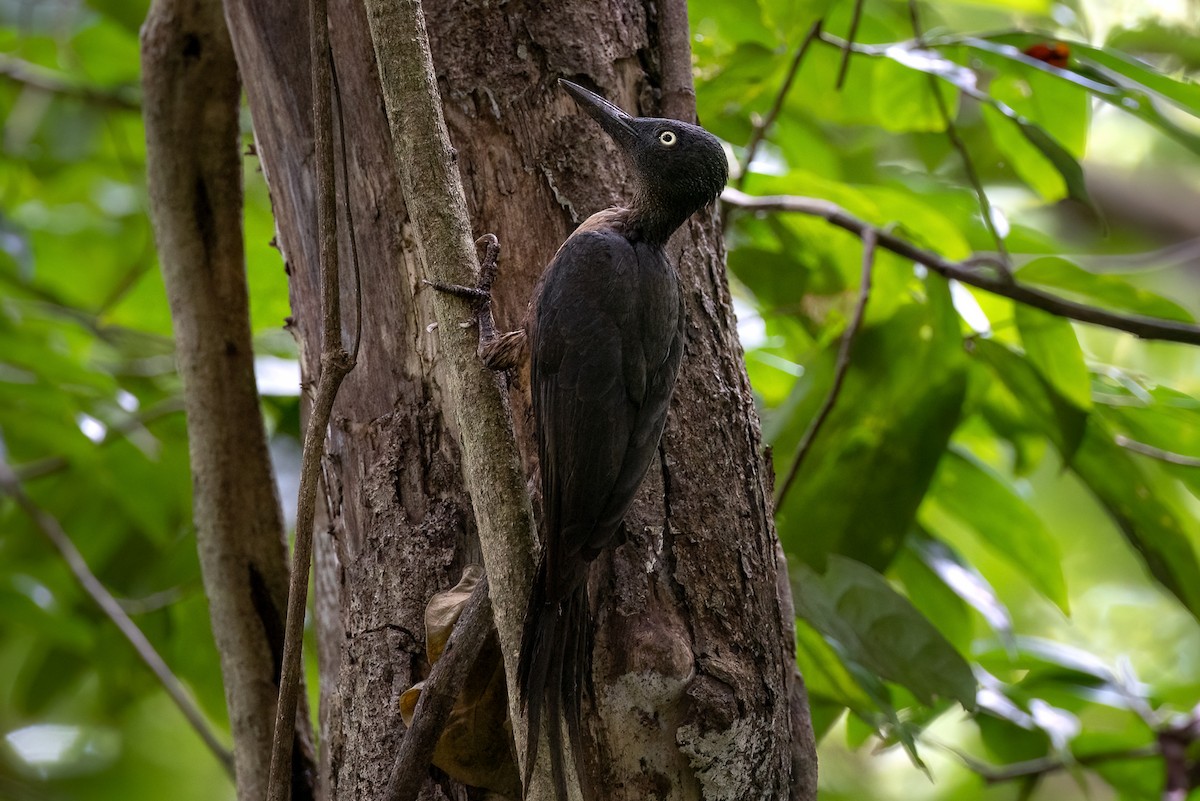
(1112, 291)
(1057, 418)
(940, 605)
(965, 581)
(1117, 66)
(1160, 37)
(1150, 509)
(1053, 349)
(1026, 160)
(1162, 419)
(897, 408)
(876, 627)
(1060, 108)
(981, 500)
(825, 677)
(933, 63)
(1113, 78)
(1066, 164)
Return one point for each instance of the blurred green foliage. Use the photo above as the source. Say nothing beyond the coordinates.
(984, 575)
(91, 418)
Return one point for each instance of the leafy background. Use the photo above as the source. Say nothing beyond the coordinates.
(995, 598)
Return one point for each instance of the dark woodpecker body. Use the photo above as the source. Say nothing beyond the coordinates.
(605, 339)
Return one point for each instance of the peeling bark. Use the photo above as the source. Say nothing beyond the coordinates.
(192, 92)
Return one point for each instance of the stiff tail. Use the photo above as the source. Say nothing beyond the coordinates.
(552, 669)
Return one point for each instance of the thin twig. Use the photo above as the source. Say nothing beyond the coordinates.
(335, 364)
(53, 531)
(842, 367)
(764, 124)
(45, 80)
(1052, 764)
(985, 204)
(844, 67)
(55, 464)
(438, 695)
(969, 272)
(1156, 453)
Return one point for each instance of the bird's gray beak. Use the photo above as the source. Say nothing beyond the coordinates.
(616, 123)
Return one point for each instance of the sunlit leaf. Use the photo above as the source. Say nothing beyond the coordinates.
(1112, 77)
(1111, 291)
(1026, 160)
(981, 500)
(1053, 349)
(966, 582)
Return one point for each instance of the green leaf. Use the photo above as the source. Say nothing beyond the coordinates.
(1110, 76)
(1066, 164)
(1052, 347)
(965, 581)
(933, 63)
(1026, 160)
(1057, 418)
(940, 605)
(1107, 290)
(900, 402)
(825, 677)
(980, 499)
(876, 627)
(1161, 418)
(1149, 508)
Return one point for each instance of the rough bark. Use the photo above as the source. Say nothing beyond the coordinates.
(435, 203)
(191, 106)
(693, 668)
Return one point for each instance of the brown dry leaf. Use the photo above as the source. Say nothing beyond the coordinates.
(476, 747)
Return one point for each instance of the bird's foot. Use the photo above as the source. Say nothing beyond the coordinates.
(499, 352)
(479, 295)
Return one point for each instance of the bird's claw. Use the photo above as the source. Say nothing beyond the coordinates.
(472, 293)
(480, 294)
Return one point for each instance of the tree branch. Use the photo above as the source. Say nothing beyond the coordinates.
(1156, 453)
(22, 72)
(844, 66)
(53, 531)
(438, 695)
(842, 367)
(985, 204)
(1052, 764)
(55, 464)
(194, 170)
(437, 208)
(763, 125)
(335, 365)
(675, 56)
(970, 272)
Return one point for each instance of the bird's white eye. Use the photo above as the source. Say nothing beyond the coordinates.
(668, 138)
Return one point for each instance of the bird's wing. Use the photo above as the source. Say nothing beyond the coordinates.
(604, 356)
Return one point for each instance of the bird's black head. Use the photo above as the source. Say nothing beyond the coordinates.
(680, 168)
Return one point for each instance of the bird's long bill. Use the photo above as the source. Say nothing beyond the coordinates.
(614, 121)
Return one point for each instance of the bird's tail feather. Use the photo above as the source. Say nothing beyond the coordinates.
(551, 673)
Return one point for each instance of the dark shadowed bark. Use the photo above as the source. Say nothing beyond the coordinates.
(694, 691)
(195, 179)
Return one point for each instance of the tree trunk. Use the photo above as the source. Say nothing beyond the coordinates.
(194, 169)
(694, 692)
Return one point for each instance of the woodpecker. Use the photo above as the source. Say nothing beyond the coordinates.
(605, 338)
